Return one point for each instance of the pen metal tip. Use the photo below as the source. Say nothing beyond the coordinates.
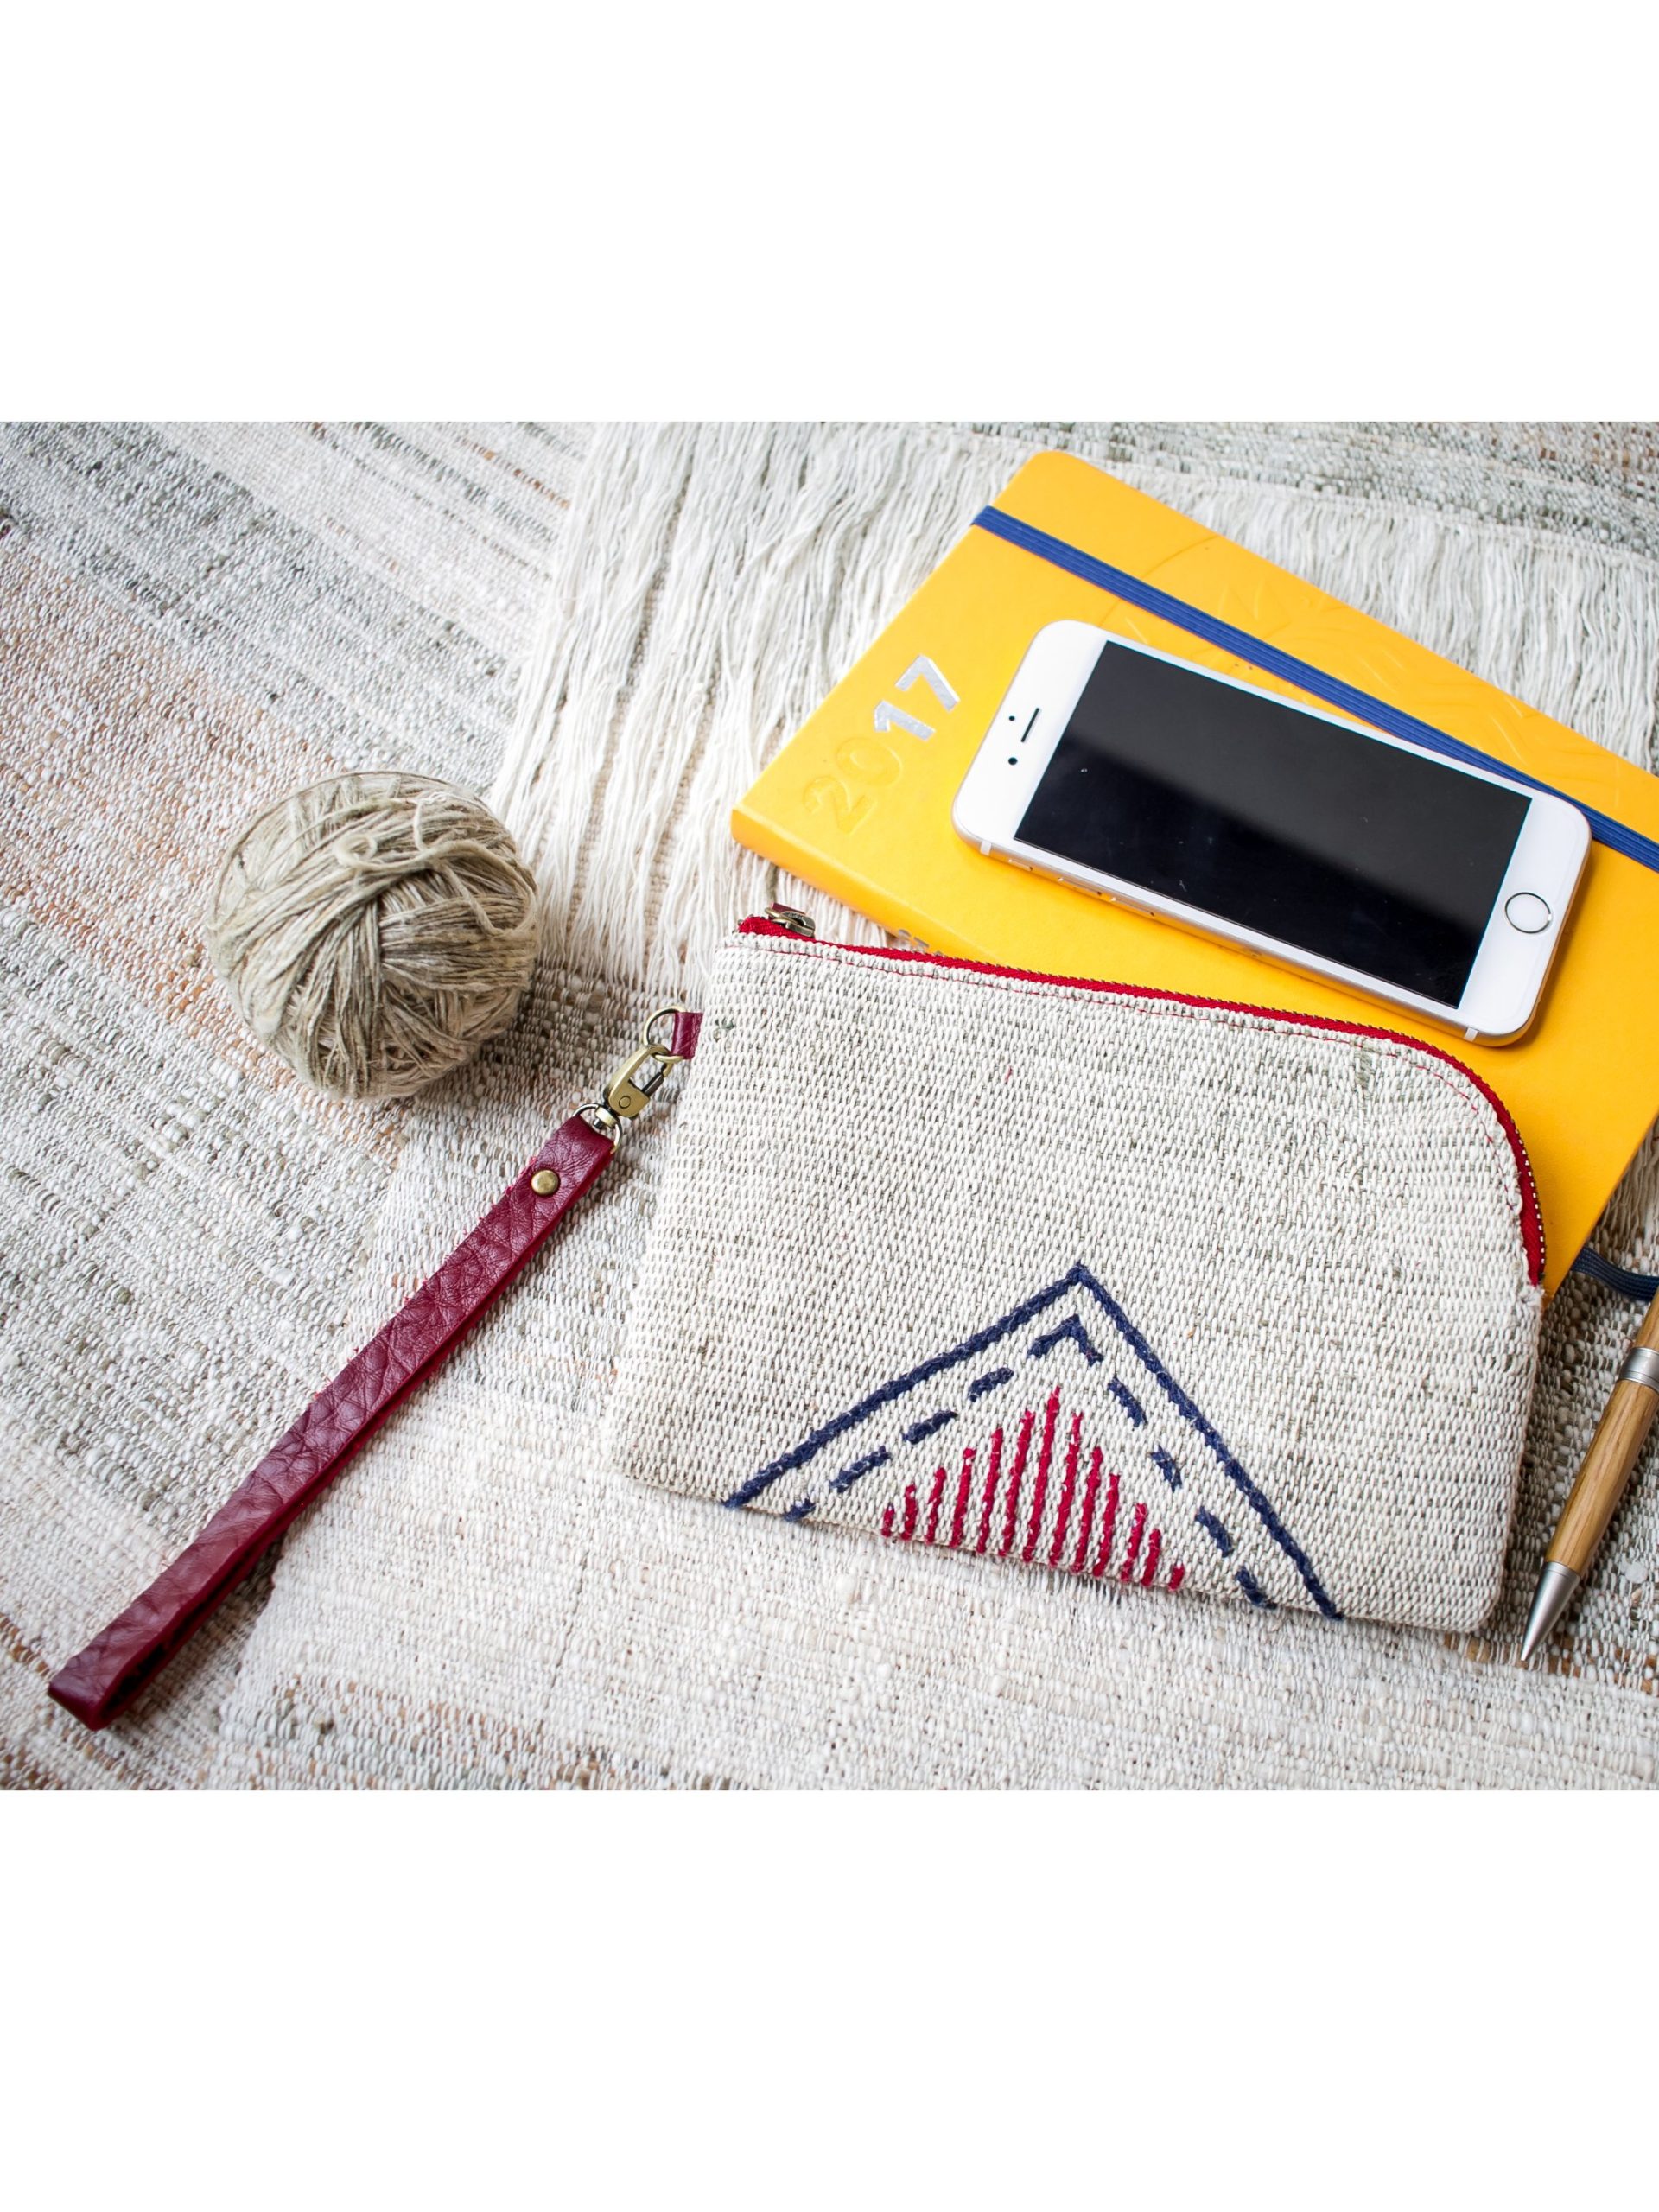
(1551, 1599)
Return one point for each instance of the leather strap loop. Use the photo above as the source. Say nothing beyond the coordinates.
(109, 1674)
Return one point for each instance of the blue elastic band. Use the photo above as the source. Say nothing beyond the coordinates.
(1625, 1280)
(1616, 835)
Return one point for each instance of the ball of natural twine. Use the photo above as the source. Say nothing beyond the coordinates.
(374, 930)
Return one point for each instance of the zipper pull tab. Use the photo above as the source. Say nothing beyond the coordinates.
(792, 919)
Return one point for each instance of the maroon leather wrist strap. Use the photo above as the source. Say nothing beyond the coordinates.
(99, 1681)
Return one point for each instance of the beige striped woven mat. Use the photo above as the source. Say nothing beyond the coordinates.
(611, 630)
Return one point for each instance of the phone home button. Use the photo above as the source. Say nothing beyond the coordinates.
(1526, 913)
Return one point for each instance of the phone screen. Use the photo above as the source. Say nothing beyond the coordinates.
(1296, 827)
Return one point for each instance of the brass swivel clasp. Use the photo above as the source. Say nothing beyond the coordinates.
(636, 1082)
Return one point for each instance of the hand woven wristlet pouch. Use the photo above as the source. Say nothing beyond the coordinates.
(1089, 1280)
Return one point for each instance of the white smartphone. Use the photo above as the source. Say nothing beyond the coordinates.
(1294, 833)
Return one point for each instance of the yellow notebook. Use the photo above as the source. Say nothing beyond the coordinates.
(859, 804)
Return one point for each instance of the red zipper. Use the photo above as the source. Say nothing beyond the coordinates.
(1532, 1224)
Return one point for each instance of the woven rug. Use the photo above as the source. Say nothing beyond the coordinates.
(616, 629)
(192, 618)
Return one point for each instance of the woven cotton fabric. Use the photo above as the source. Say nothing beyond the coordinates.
(1101, 1283)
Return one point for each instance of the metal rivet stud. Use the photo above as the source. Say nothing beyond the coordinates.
(543, 1182)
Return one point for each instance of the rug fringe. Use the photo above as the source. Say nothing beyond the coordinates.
(718, 579)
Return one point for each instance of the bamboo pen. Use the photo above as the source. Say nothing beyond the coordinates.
(1620, 1434)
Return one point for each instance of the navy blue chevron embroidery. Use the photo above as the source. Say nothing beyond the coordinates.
(1077, 1278)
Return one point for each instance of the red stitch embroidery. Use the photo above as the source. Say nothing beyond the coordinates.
(990, 1489)
(1137, 1523)
(932, 1529)
(1091, 1484)
(1068, 1485)
(961, 1514)
(1039, 1488)
(1108, 1523)
(1147, 1548)
(1021, 1445)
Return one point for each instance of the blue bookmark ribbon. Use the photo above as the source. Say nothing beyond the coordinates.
(1625, 1280)
(1345, 697)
